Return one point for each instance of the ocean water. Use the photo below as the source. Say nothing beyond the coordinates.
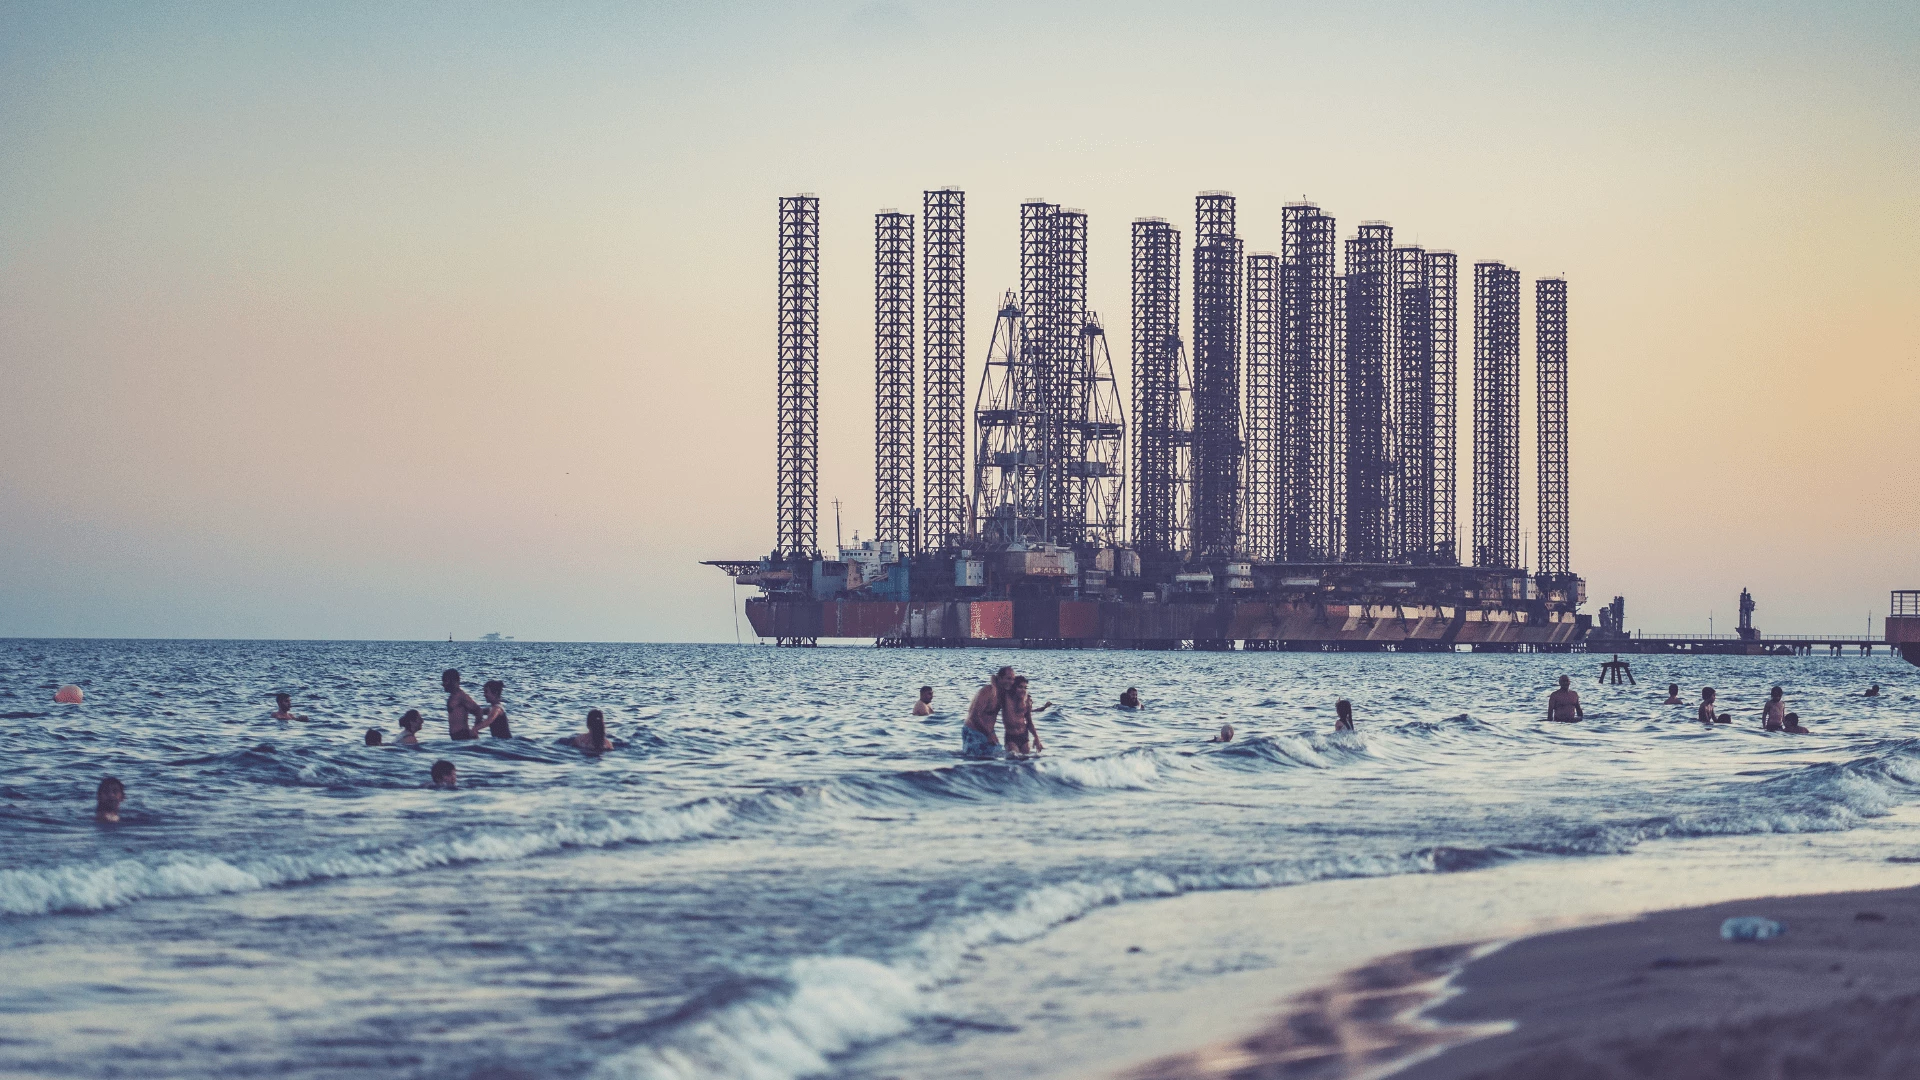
(784, 873)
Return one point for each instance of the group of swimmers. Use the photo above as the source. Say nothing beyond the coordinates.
(1563, 706)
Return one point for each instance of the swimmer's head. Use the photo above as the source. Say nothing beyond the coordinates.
(1565, 682)
(443, 774)
(596, 723)
(1777, 692)
(411, 721)
(374, 738)
(1003, 677)
(926, 693)
(1343, 709)
(285, 701)
(1673, 689)
(109, 795)
(1019, 682)
(1226, 732)
(1706, 692)
(494, 689)
(450, 679)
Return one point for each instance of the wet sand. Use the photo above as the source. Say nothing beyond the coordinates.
(1654, 997)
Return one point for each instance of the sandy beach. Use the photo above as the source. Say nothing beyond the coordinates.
(1653, 997)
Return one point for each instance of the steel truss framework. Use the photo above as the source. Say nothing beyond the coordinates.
(1000, 429)
(1216, 376)
(1309, 456)
(1370, 464)
(1162, 405)
(1413, 406)
(1550, 341)
(797, 410)
(944, 359)
(893, 377)
(1099, 472)
(1034, 365)
(1262, 408)
(1443, 292)
(1496, 415)
(1069, 383)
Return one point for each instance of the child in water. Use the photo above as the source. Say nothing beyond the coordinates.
(107, 799)
(496, 718)
(1343, 715)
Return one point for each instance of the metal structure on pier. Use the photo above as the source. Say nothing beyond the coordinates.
(1496, 415)
(1099, 472)
(999, 424)
(1370, 398)
(944, 519)
(893, 505)
(1216, 377)
(1550, 341)
(1413, 412)
(1162, 393)
(1069, 383)
(797, 409)
(1443, 293)
(1310, 455)
(1262, 408)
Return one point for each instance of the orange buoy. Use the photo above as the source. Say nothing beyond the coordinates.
(69, 695)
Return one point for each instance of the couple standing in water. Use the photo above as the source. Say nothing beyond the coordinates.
(1006, 697)
(460, 706)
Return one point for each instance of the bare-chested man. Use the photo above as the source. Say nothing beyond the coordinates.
(924, 707)
(460, 706)
(977, 738)
(1563, 705)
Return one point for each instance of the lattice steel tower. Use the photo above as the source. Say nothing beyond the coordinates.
(944, 353)
(1070, 382)
(1307, 402)
(1099, 472)
(1443, 289)
(1034, 367)
(1496, 415)
(1216, 376)
(1262, 407)
(1162, 416)
(797, 410)
(999, 423)
(1550, 339)
(1413, 412)
(893, 377)
(1370, 464)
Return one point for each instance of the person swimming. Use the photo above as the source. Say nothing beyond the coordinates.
(1022, 737)
(1673, 694)
(107, 799)
(595, 740)
(1706, 715)
(1792, 725)
(496, 718)
(1872, 691)
(1130, 699)
(285, 710)
(460, 706)
(410, 725)
(374, 738)
(1343, 715)
(442, 775)
(1563, 705)
(1226, 734)
(924, 707)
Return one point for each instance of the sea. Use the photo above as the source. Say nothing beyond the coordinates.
(782, 873)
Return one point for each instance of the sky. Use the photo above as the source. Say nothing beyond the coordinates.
(401, 321)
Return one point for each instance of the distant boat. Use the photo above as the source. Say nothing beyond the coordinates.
(495, 636)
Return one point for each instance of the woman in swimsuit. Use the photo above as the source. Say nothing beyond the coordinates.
(410, 726)
(1022, 737)
(595, 740)
(496, 718)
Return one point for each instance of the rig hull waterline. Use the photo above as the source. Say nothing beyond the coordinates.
(1291, 477)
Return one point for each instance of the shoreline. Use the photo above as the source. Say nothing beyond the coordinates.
(1656, 996)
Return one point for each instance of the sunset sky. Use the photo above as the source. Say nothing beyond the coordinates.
(402, 320)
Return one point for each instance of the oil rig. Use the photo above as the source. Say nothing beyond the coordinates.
(1284, 479)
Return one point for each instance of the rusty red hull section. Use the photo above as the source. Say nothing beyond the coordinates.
(1069, 623)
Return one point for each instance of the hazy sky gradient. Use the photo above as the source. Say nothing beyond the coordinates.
(401, 320)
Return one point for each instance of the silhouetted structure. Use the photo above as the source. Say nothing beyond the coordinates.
(1443, 290)
(999, 425)
(1550, 340)
(1216, 376)
(893, 377)
(1310, 455)
(1262, 407)
(944, 352)
(1099, 473)
(1370, 465)
(1496, 415)
(1413, 408)
(1162, 416)
(797, 436)
(1069, 383)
